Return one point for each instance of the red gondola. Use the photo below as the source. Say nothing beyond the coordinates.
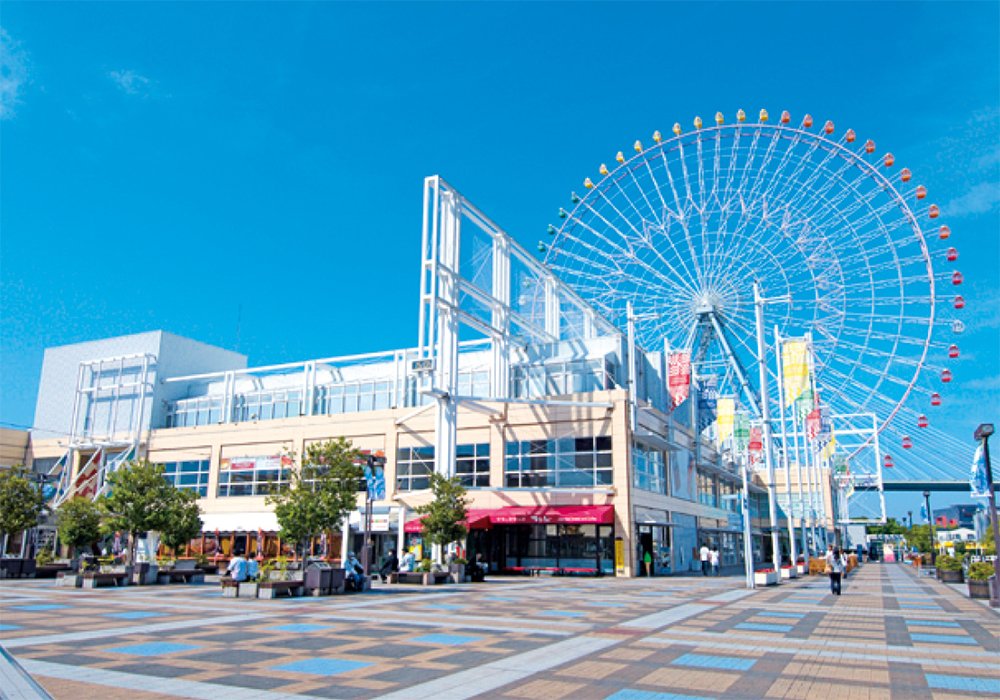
(889, 464)
(933, 211)
(850, 136)
(922, 421)
(935, 399)
(828, 127)
(921, 191)
(905, 174)
(944, 233)
(785, 117)
(952, 254)
(907, 442)
(953, 351)
(869, 146)
(956, 277)
(946, 375)
(889, 160)
(959, 302)
(807, 121)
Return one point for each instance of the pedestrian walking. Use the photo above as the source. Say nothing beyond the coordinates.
(835, 568)
(647, 559)
(713, 558)
(705, 554)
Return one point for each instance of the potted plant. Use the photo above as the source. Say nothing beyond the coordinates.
(457, 569)
(980, 573)
(949, 569)
(789, 571)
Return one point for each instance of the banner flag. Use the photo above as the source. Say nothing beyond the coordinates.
(679, 377)
(978, 484)
(923, 513)
(813, 424)
(825, 434)
(795, 361)
(726, 409)
(805, 403)
(830, 447)
(756, 444)
(708, 398)
(741, 431)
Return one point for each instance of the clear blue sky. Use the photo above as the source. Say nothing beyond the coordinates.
(164, 164)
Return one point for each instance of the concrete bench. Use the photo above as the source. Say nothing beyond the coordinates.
(419, 577)
(96, 580)
(180, 576)
(272, 589)
(230, 588)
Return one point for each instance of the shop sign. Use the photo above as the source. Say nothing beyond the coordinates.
(380, 522)
(253, 463)
(679, 377)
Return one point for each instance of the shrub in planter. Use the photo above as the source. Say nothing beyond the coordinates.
(950, 569)
(979, 579)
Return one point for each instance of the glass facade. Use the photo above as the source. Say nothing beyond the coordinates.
(254, 476)
(472, 465)
(413, 467)
(188, 475)
(648, 469)
(559, 378)
(585, 548)
(569, 461)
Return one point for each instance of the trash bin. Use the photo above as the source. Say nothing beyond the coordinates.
(318, 578)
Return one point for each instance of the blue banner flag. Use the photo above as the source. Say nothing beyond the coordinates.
(978, 484)
(923, 513)
(708, 400)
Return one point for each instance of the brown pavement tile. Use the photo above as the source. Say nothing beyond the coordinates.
(678, 678)
(592, 669)
(61, 689)
(545, 690)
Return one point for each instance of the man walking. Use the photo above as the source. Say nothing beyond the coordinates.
(705, 555)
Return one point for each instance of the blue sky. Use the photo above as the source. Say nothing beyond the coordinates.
(180, 166)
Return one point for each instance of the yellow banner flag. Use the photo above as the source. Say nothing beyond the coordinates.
(831, 446)
(795, 360)
(725, 412)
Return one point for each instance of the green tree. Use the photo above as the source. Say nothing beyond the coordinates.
(988, 543)
(21, 503)
(183, 519)
(321, 493)
(79, 522)
(919, 536)
(441, 523)
(891, 527)
(139, 501)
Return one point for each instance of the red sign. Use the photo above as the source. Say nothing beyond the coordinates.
(679, 377)
(756, 444)
(813, 423)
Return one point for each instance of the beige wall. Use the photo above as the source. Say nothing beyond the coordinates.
(13, 447)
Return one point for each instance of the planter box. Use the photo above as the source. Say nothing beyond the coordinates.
(247, 589)
(803, 569)
(979, 589)
(789, 572)
(457, 572)
(69, 580)
(951, 576)
(761, 578)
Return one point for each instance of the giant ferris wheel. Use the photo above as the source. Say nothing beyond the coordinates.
(843, 241)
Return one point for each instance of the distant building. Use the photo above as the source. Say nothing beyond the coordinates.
(961, 515)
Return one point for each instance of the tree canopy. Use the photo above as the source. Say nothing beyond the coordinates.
(442, 519)
(79, 522)
(321, 493)
(21, 501)
(140, 499)
(182, 521)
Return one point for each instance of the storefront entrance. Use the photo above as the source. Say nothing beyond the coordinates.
(558, 548)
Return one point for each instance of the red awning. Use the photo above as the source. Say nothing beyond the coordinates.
(480, 519)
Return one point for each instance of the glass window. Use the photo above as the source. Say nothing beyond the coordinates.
(188, 475)
(648, 469)
(568, 461)
(256, 476)
(472, 465)
(413, 467)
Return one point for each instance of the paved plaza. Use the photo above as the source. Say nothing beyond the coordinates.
(890, 635)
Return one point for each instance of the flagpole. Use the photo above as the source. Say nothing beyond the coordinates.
(802, 492)
(820, 494)
(765, 409)
(792, 553)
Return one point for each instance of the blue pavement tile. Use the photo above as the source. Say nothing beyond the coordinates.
(151, 649)
(9, 628)
(298, 628)
(562, 613)
(445, 606)
(134, 615)
(933, 623)
(632, 694)
(943, 639)
(447, 639)
(500, 598)
(604, 604)
(322, 667)
(39, 607)
(734, 663)
(763, 627)
(969, 683)
(781, 614)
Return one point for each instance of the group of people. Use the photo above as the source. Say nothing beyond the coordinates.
(242, 568)
(709, 559)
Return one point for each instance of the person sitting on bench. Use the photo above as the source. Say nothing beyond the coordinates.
(354, 571)
(409, 562)
(237, 568)
(389, 565)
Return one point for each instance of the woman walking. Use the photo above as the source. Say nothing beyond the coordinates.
(835, 567)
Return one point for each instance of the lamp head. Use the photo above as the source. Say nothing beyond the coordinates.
(984, 431)
(927, 494)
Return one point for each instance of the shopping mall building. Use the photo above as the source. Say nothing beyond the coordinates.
(561, 428)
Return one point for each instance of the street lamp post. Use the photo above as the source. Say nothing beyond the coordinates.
(930, 523)
(983, 433)
(909, 514)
